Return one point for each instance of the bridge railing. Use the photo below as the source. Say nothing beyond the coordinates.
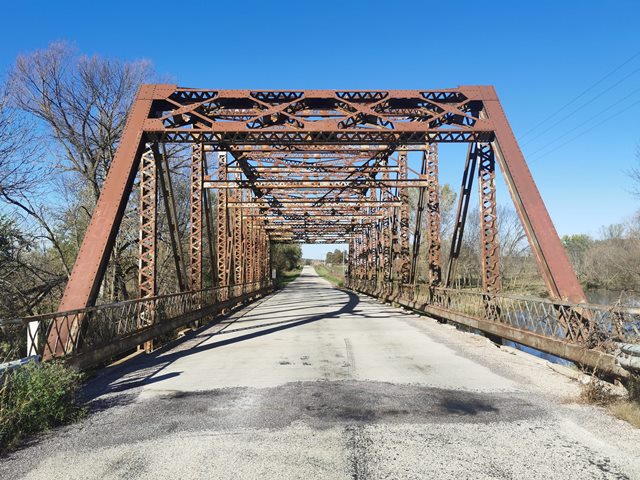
(103, 331)
(584, 333)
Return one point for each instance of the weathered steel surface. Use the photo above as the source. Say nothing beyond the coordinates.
(319, 166)
(195, 216)
(148, 226)
(433, 215)
(147, 243)
(489, 247)
(115, 329)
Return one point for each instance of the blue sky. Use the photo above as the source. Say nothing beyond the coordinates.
(540, 56)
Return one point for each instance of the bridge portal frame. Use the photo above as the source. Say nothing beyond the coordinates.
(251, 123)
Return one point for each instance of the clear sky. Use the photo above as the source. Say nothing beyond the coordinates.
(540, 55)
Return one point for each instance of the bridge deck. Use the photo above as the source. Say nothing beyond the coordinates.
(315, 382)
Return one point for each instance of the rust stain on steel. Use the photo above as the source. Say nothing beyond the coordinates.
(88, 270)
(552, 258)
(195, 224)
(315, 166)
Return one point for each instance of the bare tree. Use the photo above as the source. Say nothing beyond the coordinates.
(80, 104)
(83, 101)
(17, 164)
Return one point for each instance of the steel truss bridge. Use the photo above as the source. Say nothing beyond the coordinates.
(321, 166)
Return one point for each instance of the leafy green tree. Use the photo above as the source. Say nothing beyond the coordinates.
(335, 257)
(285, 256)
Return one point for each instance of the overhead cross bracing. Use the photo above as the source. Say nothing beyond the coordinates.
(324, 197)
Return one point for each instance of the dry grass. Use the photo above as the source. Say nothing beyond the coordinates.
(633, 387)
(597, 392)
(626, 410)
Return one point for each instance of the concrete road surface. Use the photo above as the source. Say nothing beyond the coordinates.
(319, 383)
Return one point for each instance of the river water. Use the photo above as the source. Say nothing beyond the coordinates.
(601, 296)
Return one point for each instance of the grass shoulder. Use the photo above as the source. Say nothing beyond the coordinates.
(332, 273)
(624, 405)
(284, 278)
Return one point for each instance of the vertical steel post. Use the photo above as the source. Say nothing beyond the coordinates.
(489, 247)
(417, 232)
(236, 194)
(148, 226)
(372, 241)
(433, 216)
(403, 221)
(222, 245)
(387, 226)
(147, 239)
(195, 215)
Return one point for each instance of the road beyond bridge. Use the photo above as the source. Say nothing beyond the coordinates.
(316, 382)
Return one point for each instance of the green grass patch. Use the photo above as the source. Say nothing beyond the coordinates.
(35, 398)
(287, 277)
(334, 273)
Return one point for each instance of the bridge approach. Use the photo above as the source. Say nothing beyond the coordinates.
(317, 382)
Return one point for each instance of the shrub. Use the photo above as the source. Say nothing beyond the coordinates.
(35, 398)
(597, 392)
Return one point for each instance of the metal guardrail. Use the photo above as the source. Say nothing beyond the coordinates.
(105, 330)
(588, 334)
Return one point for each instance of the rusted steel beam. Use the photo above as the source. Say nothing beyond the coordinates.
(195, 216)
(403, 222)
(315, 169)
(222, 234)
(220, 140)
(287, 184)
(387, 237)
(148, 226)
(433, 216)
(417, 232)
(310, 216)
(550, 254)
(489, 246)
(307, 204)
(237, 236)
(147, 238)
(91, 262)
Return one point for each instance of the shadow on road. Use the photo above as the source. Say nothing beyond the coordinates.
(144, 370)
